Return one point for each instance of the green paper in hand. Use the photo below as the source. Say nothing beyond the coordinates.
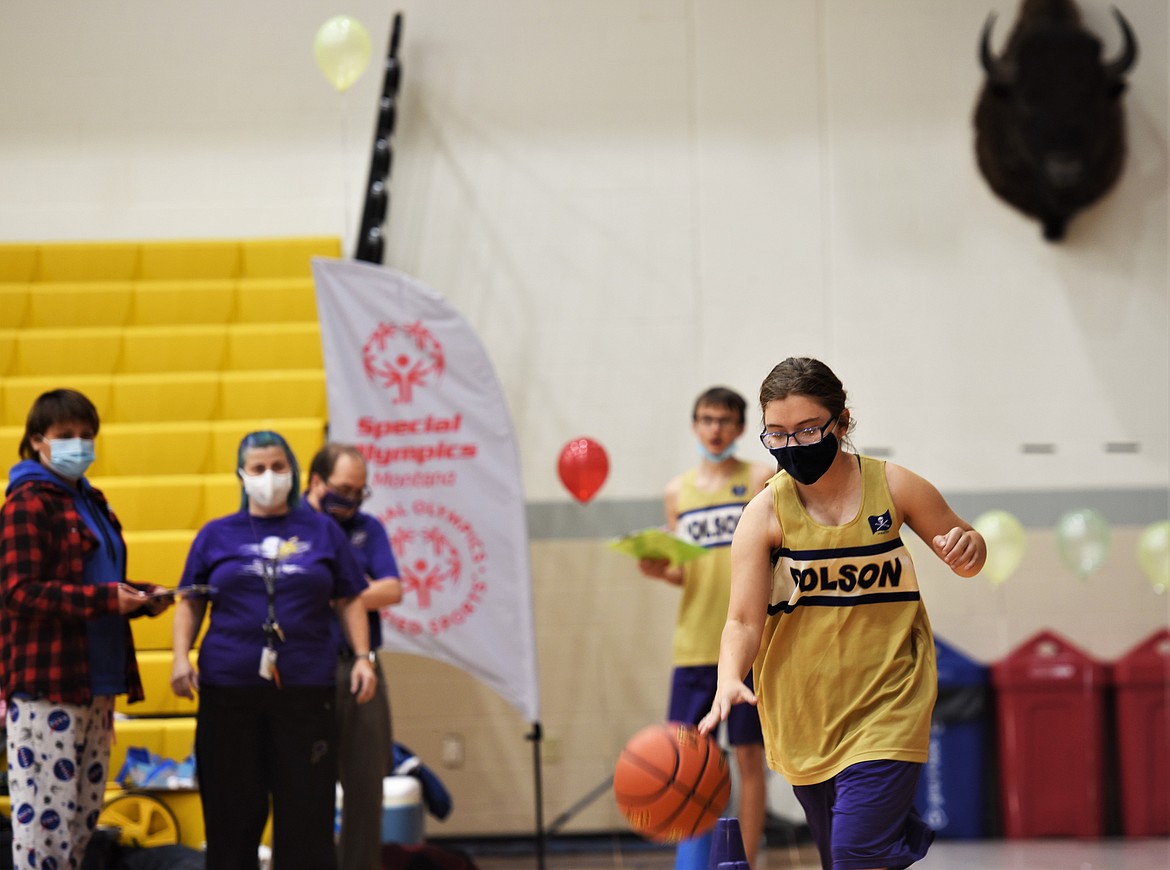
(657, 544)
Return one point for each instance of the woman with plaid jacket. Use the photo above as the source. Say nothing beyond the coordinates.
(66, 649)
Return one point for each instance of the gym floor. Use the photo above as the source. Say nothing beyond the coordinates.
(1107, 854)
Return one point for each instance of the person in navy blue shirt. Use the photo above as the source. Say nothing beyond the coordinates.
(266, 728)
(337, 488)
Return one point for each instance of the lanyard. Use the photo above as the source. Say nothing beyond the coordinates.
(271, 626)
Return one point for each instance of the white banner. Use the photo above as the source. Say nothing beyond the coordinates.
(410, 385)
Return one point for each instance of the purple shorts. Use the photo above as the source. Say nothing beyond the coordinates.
(692, 691)
(864, 816)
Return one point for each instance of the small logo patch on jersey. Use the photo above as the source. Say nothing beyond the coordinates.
(738, 490)
(881, 523)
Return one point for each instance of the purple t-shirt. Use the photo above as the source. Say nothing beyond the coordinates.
(375, 557)
(314, 565)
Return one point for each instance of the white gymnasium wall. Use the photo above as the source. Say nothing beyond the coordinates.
(631, 201)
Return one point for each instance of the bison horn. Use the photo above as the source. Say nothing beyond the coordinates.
(997, 70)
(1117, 68)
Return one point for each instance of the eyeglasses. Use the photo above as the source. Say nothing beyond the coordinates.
(351, 494)
(803, 437)
(720, 422)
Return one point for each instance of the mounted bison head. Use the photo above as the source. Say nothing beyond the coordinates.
(1049, 131)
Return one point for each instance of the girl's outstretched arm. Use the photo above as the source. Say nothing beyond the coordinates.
(756, 535)
(925, 510)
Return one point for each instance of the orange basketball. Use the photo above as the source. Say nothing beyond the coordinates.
(671, 782)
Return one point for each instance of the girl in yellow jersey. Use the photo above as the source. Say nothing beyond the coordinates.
(825, 609)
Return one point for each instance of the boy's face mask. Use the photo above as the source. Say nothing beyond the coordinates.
(70, 457)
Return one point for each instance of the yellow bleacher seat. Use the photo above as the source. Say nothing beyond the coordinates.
(156, 448)
(221, 496)
(177, 396)
(167, 502)
(18, 262)
(79, 303)
(88, 261)
(148, 349)
(19, 393)
(168, 396)
(155, 632)
(161, 261)
(154, 667)
(173, 737)
(275, 300)
(190, 302)
(278, 258)
(16, 397)
(8, 351)
(262, 393)
(13, 305)
(77, 350)
(273, 346)
(157, 556)
(156, 502)
(188, 447)
(304, 435)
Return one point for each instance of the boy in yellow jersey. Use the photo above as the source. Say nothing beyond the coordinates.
(825, 602)
(703, 505)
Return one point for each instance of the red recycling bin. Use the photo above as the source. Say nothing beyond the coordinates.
(1050, 718)
(1142, 680)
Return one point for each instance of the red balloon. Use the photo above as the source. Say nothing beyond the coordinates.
(583, 467)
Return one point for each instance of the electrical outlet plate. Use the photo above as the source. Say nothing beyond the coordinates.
(453, 750)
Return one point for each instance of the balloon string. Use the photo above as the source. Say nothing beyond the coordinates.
(345, 180)
(1002, 617)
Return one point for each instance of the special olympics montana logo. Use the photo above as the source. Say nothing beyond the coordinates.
(430, 563)
(403, 358)
(441, 564)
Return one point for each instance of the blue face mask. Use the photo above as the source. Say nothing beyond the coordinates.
(717, 457)
(70, 456)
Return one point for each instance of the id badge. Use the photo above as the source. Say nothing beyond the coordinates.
(267, 663)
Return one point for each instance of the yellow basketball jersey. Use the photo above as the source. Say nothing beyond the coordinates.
(846, 669)
(709, 520)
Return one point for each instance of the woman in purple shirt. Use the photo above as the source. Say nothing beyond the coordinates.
(266, 728)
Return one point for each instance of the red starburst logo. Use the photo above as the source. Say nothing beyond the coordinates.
(431, 564)
(402, 358)
(442, 563)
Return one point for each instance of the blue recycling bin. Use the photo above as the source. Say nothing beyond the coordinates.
(953, 785)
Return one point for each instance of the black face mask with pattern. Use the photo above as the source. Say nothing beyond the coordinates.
(807, 464)
(338, 506)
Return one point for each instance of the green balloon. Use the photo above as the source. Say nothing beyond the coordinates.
(1006, 543)
(1083, 538)
(1154, 554)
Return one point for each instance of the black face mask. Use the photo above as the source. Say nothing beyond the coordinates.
(338, 506)
(809, 463)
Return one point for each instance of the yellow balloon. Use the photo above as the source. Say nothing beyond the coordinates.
(1153, 552)
(342, 50)
(1083, 539)
(1006, 543)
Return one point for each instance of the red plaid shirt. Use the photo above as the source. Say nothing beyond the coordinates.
(44, 646)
